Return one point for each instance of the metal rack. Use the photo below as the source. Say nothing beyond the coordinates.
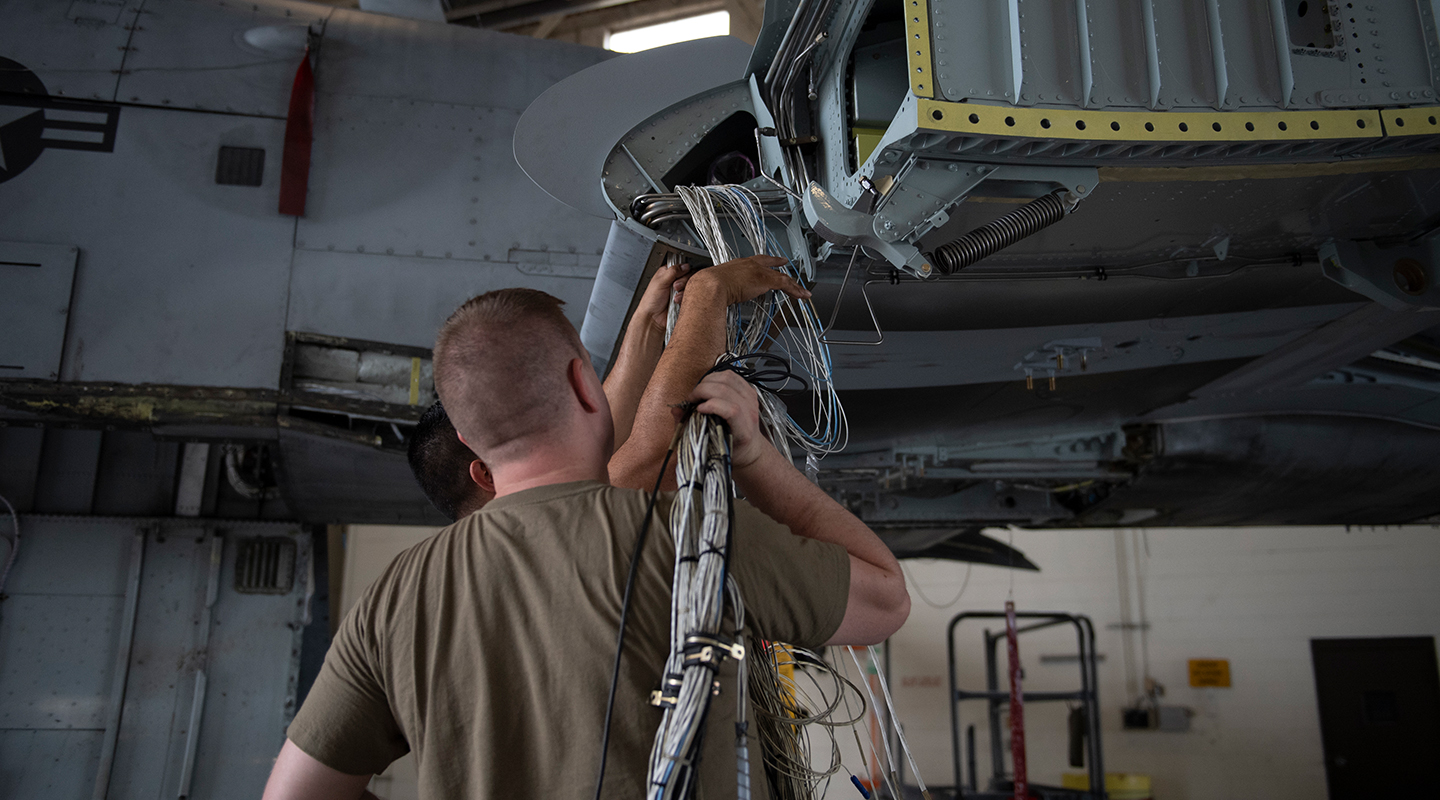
(998, 697)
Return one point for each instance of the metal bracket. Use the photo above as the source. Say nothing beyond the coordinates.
(843, 226)
(1399, 278)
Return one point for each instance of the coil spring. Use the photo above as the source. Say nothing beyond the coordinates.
(998, 234)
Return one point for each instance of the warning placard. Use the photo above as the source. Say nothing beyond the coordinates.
(1210, 672)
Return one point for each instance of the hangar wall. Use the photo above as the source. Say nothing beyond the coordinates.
(1255, 596)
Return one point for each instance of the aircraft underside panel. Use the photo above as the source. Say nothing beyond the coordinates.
(150, 657)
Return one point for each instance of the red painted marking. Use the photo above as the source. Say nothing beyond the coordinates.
(1017, 705)
(299, 133)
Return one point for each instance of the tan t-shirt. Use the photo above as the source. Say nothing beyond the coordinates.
(487, 648)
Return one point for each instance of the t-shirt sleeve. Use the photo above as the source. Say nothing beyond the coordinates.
(345, 722)
(795, 589)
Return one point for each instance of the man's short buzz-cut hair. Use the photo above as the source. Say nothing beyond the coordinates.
(441, 463)
(500, 366)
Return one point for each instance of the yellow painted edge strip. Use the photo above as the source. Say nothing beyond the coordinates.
(1163, 126)
(1411, 121)
(414, 381)
(917, 51)
(1267, 171)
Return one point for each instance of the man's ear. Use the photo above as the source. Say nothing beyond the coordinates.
(585, 384)
(480, 474)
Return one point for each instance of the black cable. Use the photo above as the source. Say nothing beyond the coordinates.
(772, 378)
(625, 603)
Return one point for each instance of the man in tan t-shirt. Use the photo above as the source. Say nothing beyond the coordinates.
(487, 649)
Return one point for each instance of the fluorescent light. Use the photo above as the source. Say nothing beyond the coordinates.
(680, 30)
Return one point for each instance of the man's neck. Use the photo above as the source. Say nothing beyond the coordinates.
(542, 469)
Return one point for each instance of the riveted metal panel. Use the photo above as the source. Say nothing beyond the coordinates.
(968, 41)
(546, 143)
(66, 556)
(404, 300)
(252, 670)
(69, 686)
(918, 48)
(57, 642)
(76, 48)
(180, 281)
(34, 302)
(1117, 52)
(1143, 126)
(388, 57)
(49, 763)
(414, 178)
(660, 142)
(1050, 52)
(249, 654)
(914, 359)
(1187, 74)
(163, 657)
(1248, 40)
(195, 55)
(1387, 46)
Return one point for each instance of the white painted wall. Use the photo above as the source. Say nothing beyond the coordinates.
(1253, 595)
(369, 549)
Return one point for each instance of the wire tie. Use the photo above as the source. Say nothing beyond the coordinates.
(735, 650)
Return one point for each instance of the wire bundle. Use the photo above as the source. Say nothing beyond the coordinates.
(772, 321)
(656, 209)
(701, 519)
(784, 706)
(700, 522)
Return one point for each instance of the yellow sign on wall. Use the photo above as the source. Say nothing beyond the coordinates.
(1210, 672)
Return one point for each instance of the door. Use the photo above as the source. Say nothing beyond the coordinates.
(1379, 715)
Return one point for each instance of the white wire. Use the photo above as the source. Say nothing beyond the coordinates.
(899, 731)
(700, 526)
(752, 325)
(884, 740)
(700, 519)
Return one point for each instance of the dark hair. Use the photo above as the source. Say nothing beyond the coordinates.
(441, 463)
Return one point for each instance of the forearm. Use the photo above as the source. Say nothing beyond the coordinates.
(699, 339)
(625, 385)
(774, 486)
(877, 602)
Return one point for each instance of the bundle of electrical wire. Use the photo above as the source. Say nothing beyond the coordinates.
(700, 522)
(785, 707)
(655, 209)
(772, 322)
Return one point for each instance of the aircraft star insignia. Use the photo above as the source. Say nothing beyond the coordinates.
(9, 114)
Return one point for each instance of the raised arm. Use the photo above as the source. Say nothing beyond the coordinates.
(640, 348)
(878, 602)
(698, 341)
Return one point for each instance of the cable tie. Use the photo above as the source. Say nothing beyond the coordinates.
(704, 657)
(734, 649)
